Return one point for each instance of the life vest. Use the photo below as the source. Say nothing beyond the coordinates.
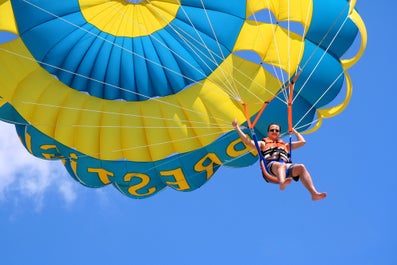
(275, 150)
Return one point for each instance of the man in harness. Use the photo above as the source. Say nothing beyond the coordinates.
(276, 154)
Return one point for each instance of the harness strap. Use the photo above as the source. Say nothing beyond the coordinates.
(265, 170)
(291, 86)
(262, 162)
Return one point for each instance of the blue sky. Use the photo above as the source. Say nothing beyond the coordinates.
(236, 218)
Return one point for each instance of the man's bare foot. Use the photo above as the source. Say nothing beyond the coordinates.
(285, 183)
(319, 196)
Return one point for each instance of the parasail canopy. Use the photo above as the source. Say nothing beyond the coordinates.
(141, 94)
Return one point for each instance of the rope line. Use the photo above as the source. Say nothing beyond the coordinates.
(229, 84)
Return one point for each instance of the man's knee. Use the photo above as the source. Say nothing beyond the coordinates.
(299, 169)
(278, 167)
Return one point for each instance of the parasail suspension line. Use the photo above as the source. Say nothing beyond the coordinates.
(269, 177)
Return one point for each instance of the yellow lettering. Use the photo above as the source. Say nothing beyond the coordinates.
(73, 162)
(145, 179)
(102, 174)
(207, 164)
(28, 142)
(232, 151)
(47, 147)
(180, 182)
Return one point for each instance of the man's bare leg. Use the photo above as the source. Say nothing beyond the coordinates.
(301, 171)
(285, 183)
(279, 169)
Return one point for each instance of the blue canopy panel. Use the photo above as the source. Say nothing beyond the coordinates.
(116, 67)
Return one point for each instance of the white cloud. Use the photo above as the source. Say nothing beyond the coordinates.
(23, 176)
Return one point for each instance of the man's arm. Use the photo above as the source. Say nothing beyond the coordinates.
(246, 140)
(300, 141)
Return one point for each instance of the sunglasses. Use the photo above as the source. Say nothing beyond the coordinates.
(274, 130)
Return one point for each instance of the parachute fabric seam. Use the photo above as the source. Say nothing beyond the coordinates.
(145, 136)
(314, 104)
(102, 111)
(164, 45)
(7, 21)
(343, 105)
(245, 30)
(203, 44)
(231, 87)
(347, 63)
(161, 101)
(333, 111)
(17, 94)
(318, 61)
(138, 11)
(172, 134)
(318, 44)
(226, 83)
